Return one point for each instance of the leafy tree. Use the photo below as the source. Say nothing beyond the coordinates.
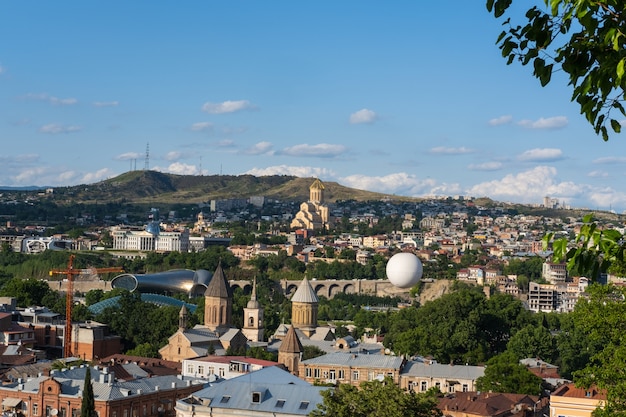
(376, 399)
(585, 40)
(533, 342)
(504, 373)
(87, 406)
(311, 351)
(595, 250)
(27, 292)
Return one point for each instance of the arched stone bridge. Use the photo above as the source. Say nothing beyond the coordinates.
(329, 287)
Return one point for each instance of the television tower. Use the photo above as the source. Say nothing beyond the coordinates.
(146, 166)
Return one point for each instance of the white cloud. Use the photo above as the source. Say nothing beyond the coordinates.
(610, 160)
(180, 168)
(397, 183)
(303, 172)
(486, 166)
(54, 129)
(450, 151)
(545, 123)
(229, 106)
(173, 155)
(261, 148)
(128, 156)
(502, 120)
(598, 174)
(226, 143)
(363, 116)
(51, 99)
(527, 186)
(607, 198)
(541, 154)
(106, 103)
(99, 175)
(202, 127)
(321, 150)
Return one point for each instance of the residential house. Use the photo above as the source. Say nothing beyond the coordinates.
(269, 392)
(568, 400)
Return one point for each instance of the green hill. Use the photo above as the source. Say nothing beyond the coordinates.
(156, 187)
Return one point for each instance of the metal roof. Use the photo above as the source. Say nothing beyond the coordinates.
(305, 293)
(438, 370)
(158, 299)
(357, 360)
(285, 394)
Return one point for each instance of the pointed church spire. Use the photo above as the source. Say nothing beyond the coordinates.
(218, 286)
(182, 318)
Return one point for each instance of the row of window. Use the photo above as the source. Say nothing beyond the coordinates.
(191, 371)
(423, 386)
(340, 374)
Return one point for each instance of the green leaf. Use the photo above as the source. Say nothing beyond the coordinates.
(617, 127)
(620, 70)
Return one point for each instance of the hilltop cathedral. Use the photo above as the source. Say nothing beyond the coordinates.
(313, 214)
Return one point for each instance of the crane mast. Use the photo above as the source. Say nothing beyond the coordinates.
(69, 297)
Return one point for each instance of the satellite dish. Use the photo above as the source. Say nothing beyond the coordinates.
(54, 412)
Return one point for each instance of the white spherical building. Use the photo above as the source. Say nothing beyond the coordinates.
(404, 270)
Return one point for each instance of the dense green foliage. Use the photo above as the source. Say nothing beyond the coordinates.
(504, 373)
(461, 327)
(376, 399)
(583, 39)
(141, 325)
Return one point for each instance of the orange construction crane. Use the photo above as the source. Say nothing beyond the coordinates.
(69, 297)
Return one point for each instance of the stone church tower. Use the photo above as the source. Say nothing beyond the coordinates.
(304, 308)
(290, 351)
(313, 214)
(218, 303)
(253, 325)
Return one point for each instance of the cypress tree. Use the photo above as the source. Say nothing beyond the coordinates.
(88, 406)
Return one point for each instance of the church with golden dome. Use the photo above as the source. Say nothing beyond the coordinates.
(313, 214)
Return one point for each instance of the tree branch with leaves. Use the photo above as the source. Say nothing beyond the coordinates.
(584, 39)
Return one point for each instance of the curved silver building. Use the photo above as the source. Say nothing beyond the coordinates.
(194, 283)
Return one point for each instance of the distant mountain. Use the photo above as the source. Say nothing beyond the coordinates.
(154, 187)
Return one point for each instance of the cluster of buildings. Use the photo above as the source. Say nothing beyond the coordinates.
(191, 380)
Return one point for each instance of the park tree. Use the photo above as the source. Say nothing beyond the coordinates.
(87, 406)
(533, 342)
(504, 373)
(583, 39)
(376, 399)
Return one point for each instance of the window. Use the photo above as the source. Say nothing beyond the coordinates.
(438, 385)
(342, 374)
(424, 386)
(325, 374)
(222, 372)
(190, 369)
(144, 410)
(451, 388)
(304, 405)
(316, 373)
(256, 397)
(465, 388)
(225, 399)
(280, 403)
(355, 375)
(125, 412)
(332, 374)
(35, 410)
(211, 370)
(307, 372)
(201, 369)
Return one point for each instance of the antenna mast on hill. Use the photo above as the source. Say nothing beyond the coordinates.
(146, 166)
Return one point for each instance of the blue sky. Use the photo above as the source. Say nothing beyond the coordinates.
(399, 97)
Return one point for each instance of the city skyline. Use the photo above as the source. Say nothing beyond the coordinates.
(401, 98)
